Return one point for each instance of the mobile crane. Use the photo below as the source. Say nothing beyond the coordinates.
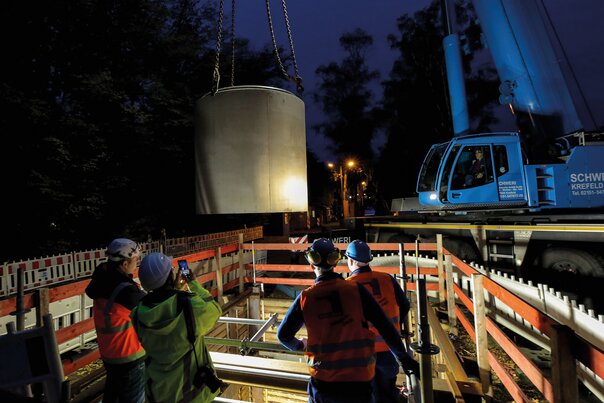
(531, 197)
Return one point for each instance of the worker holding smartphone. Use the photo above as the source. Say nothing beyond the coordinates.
(171, 322)
(183, 277)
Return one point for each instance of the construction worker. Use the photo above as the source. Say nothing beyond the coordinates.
(395, 304)
(171, 321)
(340, 350)
(115, 294)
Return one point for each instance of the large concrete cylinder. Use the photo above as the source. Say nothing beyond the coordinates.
(250, 152)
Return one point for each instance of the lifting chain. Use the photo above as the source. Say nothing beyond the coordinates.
(233, 43)
(216, 75)
(297, 79)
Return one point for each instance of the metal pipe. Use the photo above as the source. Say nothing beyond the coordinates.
(425, 362)
(264, 378)
(446, 16)
(245, 345)
(423, 346)
(403, 285)
(269, 323)
(265, 372)
(241, 321)
(402, 268)
(225, 400)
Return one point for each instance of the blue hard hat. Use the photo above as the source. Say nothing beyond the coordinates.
(359, 251)
(154, 271)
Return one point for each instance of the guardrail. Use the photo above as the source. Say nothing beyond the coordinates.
(230, 267)
(56, 269)
(62, 279)
(569, 350)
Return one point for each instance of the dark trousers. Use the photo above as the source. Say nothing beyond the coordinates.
(339, 392)
(384, 383)
(125, 383)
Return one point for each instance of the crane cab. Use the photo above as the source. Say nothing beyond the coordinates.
(474, 172)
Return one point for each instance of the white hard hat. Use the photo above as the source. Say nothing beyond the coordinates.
(154, 270)
(122, 248)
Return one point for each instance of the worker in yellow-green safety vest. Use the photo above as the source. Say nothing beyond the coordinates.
(171, 321)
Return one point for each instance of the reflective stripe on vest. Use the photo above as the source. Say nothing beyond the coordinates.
(381, 287)
(117, 340)
(340, 346)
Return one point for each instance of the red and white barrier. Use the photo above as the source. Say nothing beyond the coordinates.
(39, 272)
(85, 262)
(299, 239)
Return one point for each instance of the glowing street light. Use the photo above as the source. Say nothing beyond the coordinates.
(342, 176)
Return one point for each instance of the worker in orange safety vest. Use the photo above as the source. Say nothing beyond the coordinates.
(115, 294)
(395, 304)
(340, 349)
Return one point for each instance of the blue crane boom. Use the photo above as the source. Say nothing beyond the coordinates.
(485, 191)
(548, 162)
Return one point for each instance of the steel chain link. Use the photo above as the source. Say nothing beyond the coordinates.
(216, 75)
(276, 49)
(297, 77)
(233, 44)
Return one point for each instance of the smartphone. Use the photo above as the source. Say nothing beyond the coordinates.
(183, 266)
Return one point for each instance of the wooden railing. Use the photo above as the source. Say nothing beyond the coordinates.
(218, 270)
(567, 348)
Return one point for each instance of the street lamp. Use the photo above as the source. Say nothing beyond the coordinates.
(341, 174)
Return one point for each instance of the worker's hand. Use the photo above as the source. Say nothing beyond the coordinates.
(304, 341)
(410, 366)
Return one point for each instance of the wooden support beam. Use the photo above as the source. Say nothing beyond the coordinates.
(241, 274)
(564, 367)
(70, 366)
(447, 350)
(480, 329)
(528, 367)
(506, 379)
(75, 330)
(469, 389)
(455, 390)
(441, 273)
(254, 309)
(499, 370)
(218, 269)
(450, 295)
(42, 301)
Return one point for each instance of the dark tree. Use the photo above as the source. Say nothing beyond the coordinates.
(321, 190)
(344, 95)
(97, 100)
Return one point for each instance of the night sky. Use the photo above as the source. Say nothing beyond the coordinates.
(318, 24)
